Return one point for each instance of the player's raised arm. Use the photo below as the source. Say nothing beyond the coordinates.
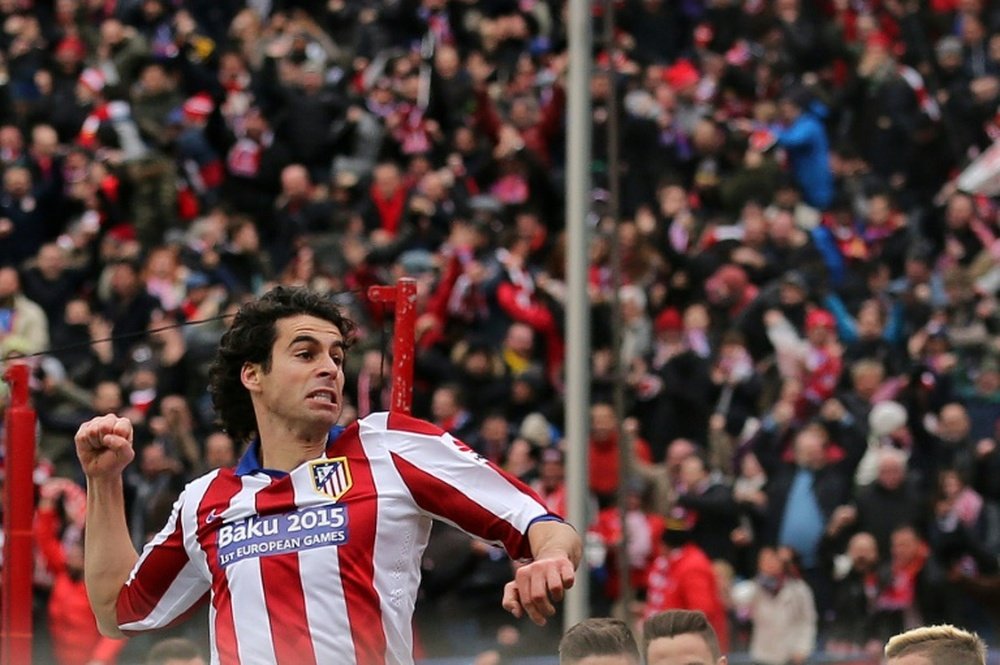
(104, 446)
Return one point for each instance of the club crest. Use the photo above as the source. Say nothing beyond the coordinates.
(331, 477)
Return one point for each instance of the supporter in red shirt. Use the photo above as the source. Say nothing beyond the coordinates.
(75, 638)
(643, 531)
(682, 577)
(603, 447)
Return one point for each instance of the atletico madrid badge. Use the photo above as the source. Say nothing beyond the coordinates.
(331, 477)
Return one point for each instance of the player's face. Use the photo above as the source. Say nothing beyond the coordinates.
(686, 649)
(305, 385)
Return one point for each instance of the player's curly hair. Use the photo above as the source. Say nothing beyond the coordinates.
(250, 339)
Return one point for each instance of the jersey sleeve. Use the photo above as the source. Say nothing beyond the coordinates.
(450, 481)
(165, 584)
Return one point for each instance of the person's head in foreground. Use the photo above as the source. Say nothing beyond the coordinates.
(681, 637)
(175, 651)
(936, 645)
(599, 642)
(283, 358)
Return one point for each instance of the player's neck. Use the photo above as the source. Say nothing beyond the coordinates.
(283, 448)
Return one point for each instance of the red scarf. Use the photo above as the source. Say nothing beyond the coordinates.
(902, 588)
(390, 210)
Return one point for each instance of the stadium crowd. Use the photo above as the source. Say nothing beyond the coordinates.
(808, 301)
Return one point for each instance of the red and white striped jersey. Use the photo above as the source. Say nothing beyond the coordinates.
(322, 565)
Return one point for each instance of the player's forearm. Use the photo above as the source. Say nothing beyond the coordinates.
(109, 554)
(551, 539)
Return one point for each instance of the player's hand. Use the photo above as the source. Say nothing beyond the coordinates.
(536, 586)
(104, 446)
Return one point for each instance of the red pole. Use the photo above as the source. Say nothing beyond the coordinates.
(19, 492)
(404, 296)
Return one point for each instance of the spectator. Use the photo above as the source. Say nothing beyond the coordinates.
(152, 486)
(22, 222)
(682, 578)
(802, 497)
(254, 162)
(707, 505)
(783, 613)
(641, 533)
(494, 437)
(386, 203)
(604, 452)
(449, 413)
(857, 582)
(751, 502)
(551, 482)
(948, 445)
(814, 362)
(806, 142)
(51, 283)
(738, 388)
(128, 308)
(677, 393)
(906, 592)
(23, 327)
(76, 640)
(298, 215)
(242, 267)
(220, 451)
(890, 502)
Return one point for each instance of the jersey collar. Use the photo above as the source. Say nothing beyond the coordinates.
(250, 462)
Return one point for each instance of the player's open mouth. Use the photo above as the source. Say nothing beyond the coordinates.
(325, 396)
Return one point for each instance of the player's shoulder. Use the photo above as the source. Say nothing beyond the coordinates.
(394, 423)
(198, 487)
(398, 431)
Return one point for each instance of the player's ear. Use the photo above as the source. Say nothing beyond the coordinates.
(250, 376)
(722, 661)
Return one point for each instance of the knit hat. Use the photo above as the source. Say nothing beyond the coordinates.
(681, 74)
(669, 320)
(199, 106)
(820, 318)
(72, 47)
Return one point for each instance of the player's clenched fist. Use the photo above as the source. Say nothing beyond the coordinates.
(104, 446)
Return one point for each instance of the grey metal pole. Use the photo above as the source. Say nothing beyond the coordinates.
(625, 463)
(577, 301)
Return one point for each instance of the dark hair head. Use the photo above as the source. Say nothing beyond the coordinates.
(673, 623)
(250, 339)
(174, 648)
(597, 637)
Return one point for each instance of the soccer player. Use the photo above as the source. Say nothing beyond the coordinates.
(936, 645)
(680, 637)
(598, 642)
(309, 549)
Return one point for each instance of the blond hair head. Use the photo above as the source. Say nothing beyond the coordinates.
(941, 645)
